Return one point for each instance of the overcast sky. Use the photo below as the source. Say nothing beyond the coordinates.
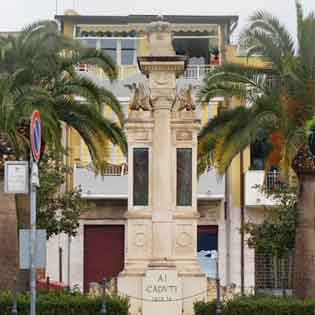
(16, 13)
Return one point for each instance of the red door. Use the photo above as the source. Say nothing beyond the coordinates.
(104, 248)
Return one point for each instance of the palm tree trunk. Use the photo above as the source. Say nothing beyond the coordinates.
(23, 216)
(304, 269)
(8, 240)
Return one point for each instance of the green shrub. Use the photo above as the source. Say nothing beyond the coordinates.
(202, 308)
(259, 306)
(65, 303)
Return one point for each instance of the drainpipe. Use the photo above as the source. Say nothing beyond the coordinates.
(227, 217)
(67, 160)
(242, 201)
(60, 264)
(68, 261)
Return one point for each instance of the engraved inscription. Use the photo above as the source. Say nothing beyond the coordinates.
(161, 286)
(162, 290)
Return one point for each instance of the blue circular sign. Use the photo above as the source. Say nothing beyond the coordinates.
(36, 135)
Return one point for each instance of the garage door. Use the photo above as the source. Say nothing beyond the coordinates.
(103, 252)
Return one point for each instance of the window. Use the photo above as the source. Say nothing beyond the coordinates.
(184, 177)
(128, 51)
(192, 46)
(109, 46)
(89, 42)
(272, 273)
(140, 176)
(122, 50)
(259, 151)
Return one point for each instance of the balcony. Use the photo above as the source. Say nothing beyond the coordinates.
(197, 72)
(211, 185)
(114, 183)
(193, 72)
(254, 182)
(94, 71)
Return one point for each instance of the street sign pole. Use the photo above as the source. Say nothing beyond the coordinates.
(33, 237)
(35, 137)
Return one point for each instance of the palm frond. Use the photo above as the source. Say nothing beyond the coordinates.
(270, 24)
(235, 80)
(97, 58)
(39, 67)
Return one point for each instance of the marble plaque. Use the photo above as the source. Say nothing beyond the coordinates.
(162, 292)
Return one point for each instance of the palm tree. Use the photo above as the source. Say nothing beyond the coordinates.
(279, 101)
(8, 218)
(44, 62)
(38, 71)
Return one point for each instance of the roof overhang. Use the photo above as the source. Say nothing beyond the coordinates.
(138, 23)
(145, 19)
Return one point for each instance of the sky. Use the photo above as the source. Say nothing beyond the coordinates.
(14, 14)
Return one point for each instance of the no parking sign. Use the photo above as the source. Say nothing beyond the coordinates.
(36, 135)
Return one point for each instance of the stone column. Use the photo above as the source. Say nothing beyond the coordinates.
(161, 163)
(161, 207)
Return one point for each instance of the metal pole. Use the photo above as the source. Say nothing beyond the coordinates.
(34, 179)
(60, 265)
(227, 210)
(14, 310)
(242, 199)
(104, 309)
(218, 306)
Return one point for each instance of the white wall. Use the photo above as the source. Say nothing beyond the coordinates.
(76, 254)
(77, 249)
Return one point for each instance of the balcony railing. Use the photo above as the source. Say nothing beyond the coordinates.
(197, 72)
(258, 185)
(109, 170)
(272, 181)
(192, 72)
(123, 71)
(114, 183)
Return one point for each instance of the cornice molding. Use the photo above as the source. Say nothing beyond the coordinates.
(142, 27)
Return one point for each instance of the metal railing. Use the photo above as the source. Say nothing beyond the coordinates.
(272, 181)
(123, 71)
(109, 170)
(116, 170)
(197, 72)
(193, 72)
(92, 69)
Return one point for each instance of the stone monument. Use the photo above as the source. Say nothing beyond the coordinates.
(162, 274)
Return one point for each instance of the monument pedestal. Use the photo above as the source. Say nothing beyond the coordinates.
(162, 291)
(157, 286)
(162, 275)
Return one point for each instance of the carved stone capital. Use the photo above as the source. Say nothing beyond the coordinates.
(160, 38)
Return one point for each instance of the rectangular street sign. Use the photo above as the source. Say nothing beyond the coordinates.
(16, 174)
(40, 260)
